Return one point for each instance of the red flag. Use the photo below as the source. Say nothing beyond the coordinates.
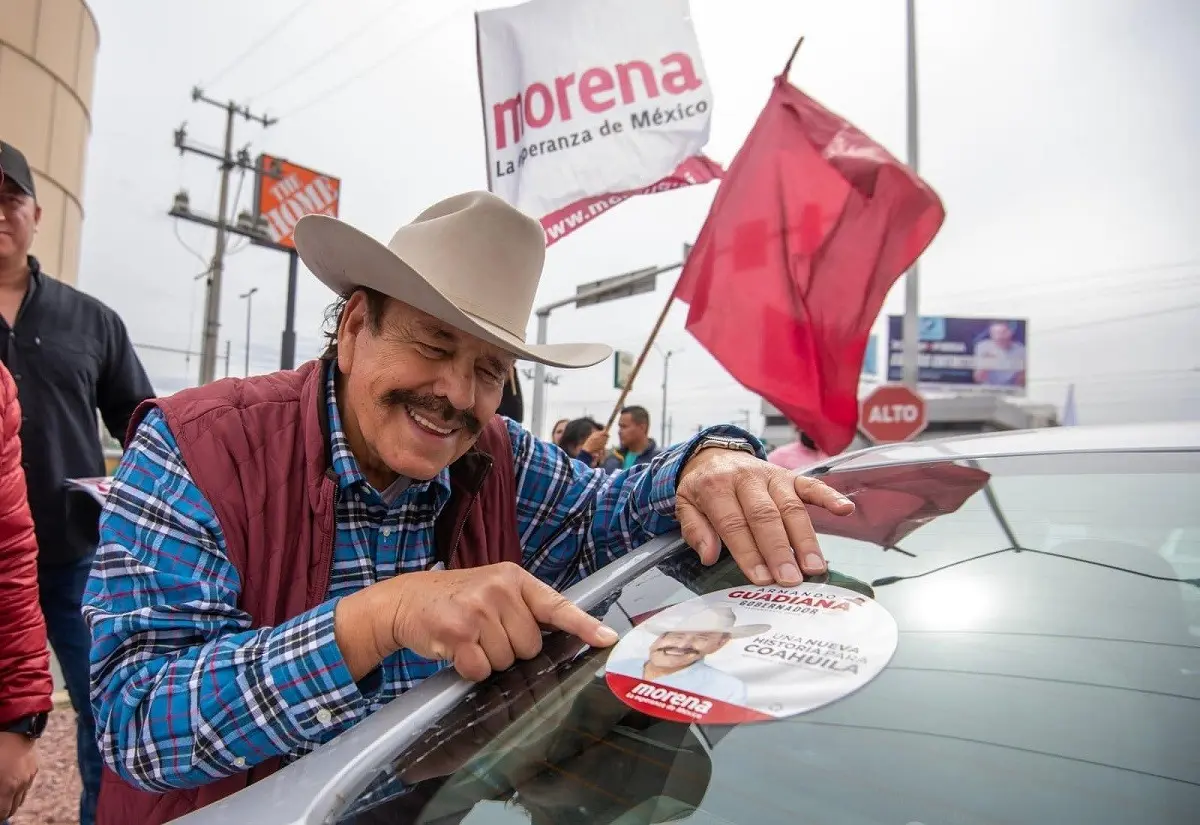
(811, 226)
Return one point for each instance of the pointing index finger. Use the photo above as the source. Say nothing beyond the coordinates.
(550, 608)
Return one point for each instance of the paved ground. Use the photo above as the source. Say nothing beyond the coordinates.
(54, 797)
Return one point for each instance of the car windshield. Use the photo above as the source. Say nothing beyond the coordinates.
(1048, 671)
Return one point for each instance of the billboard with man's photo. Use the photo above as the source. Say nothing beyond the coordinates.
(981, 354)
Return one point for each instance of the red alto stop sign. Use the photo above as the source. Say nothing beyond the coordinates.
(893, 413)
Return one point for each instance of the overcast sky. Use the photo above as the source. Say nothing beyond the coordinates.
(1062, 136)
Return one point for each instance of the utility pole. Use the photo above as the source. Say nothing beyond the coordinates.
(912, 293)
(249, 298)
(229, 161)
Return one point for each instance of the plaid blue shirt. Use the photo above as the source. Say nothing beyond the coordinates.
(185, 691)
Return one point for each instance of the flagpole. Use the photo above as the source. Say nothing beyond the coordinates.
(912, 293)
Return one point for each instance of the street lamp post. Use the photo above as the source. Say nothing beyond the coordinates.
(621, 286)
(539, 370)
(666, 356)
(249, 296)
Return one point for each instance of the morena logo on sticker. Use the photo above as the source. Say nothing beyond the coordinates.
(674, 698)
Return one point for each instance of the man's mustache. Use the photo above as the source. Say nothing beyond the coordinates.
(433, 407)
(678, 650)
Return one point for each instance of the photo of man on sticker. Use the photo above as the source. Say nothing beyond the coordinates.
(676, 656)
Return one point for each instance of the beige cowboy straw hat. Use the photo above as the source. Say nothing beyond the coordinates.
(718, 619)
(471, 261)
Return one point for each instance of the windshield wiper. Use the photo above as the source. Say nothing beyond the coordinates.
(994, 506)
(886, 580)
(1015, 547)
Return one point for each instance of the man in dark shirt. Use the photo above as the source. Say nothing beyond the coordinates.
(69, 355)
(636, 445)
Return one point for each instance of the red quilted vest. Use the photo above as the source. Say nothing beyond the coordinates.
(259, 450)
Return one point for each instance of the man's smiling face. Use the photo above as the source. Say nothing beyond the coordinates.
(676, 650)
(415, 393)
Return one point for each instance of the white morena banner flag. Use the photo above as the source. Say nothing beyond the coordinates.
(589, 102)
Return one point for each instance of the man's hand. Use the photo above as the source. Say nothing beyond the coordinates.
(758, 509)
(482, 619)
(596, 444)
(18, 767)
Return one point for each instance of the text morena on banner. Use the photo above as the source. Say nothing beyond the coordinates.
(586, 104)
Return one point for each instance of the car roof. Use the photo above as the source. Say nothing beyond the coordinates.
(1158, 437)
(308, 790)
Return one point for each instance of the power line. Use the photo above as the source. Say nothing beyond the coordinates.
(732, 383)
(1169, 394)
(1141, 404)
(1053, 282)
(1115, 377)
(1121, 318)
(271, 32)
(1076, 294)
(159, 348)
(184, 244)
(696, 392)
(387, 58)
(304, 69)
(1039, 330)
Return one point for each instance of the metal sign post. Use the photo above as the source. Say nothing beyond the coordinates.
(627, 285)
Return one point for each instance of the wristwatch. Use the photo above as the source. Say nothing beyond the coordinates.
(725, 443)
(31, 726)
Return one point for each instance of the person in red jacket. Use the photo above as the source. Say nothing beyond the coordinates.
(25, 681)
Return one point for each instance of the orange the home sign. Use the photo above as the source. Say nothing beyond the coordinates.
(295, 192)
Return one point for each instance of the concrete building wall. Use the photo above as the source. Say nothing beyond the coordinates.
(47, 61)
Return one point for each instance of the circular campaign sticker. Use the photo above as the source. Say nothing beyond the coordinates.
(752, 654)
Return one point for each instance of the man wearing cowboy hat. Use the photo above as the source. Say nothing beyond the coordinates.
(676, 658)
(283, 555)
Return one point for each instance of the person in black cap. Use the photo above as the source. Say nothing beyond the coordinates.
(68, 354)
